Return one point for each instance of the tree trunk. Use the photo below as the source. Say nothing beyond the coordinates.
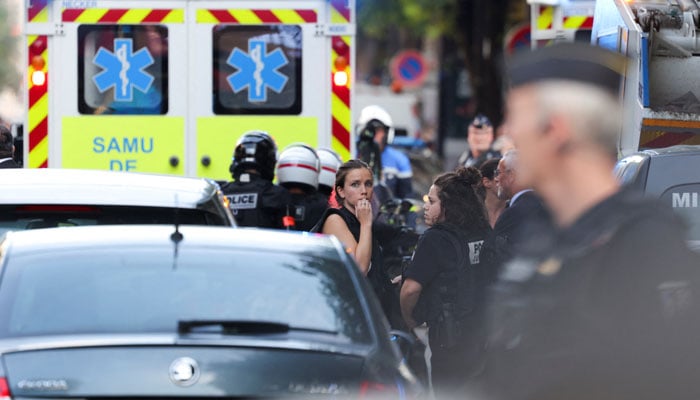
(481, 25)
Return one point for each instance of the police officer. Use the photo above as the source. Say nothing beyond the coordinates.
(480, 138)
(330, 162)
(610, 309)
(440, 284)
(298, 171)
(392, 167)
(253, 198)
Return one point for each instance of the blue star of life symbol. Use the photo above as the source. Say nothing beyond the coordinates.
(123, 69)
(257, 70)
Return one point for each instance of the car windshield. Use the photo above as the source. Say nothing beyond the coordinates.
(140, 290)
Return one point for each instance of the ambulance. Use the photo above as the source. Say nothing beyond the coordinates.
(169, 86)
(554, 21)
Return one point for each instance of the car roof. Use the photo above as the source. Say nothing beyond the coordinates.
(159, 236)
(673, 151)
(94, 187)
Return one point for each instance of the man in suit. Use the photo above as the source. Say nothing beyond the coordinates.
(7, 148)
(525, 224)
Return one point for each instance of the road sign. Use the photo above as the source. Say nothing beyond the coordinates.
(409, 68)
(518, 38)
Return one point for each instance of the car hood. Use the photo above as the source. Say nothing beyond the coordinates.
(167, 366)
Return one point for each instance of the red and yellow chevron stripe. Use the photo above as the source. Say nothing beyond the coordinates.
(256, 17)
(653, 135)
(38, 126)
(123, 16)
(340, 97)
(546, 16)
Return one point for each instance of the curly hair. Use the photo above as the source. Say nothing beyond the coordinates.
(343, 173)
(459, 201)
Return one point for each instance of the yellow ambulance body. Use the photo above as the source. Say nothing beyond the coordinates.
(168, 86)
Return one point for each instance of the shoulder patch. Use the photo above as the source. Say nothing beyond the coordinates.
(475, 251)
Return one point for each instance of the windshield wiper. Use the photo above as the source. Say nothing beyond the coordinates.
(241, 327)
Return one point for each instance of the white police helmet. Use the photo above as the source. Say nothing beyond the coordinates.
(370, 118)
(330, 162)
(298, 165)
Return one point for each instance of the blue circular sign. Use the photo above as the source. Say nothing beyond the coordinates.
(409, 68)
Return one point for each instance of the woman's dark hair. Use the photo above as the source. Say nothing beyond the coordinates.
(488, 170)
(460, 204)
(343, 173)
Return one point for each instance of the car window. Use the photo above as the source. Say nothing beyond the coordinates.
(22, 217)
(142, 290)
(235, 46)
(100, 45)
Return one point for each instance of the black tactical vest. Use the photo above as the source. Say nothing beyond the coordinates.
(258, 203)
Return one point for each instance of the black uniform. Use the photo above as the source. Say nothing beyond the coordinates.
(256, 201)
(611, 311)
(9, 163)
(445, 263)
(307, 210)
(466, 159)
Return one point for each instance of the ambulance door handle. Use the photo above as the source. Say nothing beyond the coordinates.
(174, 161)
(206, 161)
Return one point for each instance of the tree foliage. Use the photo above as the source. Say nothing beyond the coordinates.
(377, 18)
(9, 50)
(476, 26)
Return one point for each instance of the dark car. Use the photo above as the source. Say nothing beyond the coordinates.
(52, 197)
(673, 176)
(155, 312)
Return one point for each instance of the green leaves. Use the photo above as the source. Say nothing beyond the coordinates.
(9, 48)
(420, 17)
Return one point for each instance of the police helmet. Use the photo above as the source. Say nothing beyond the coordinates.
(330, 162)
(255, 150)
(371, 118)
(299, 166)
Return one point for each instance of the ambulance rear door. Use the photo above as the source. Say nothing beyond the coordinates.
(258, 65)
(119, 86)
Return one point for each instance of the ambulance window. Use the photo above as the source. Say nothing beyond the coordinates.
(122, 69)
(685, 200)
(257, 69)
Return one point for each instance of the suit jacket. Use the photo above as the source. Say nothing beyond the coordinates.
(525, 226)
(9, 164)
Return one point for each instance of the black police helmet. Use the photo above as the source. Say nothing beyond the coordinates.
(255, 150)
